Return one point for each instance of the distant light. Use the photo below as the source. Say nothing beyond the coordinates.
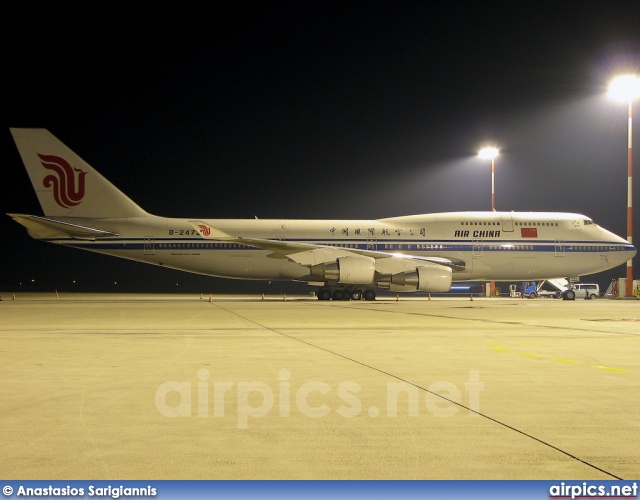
(488, 153)
(624, 88)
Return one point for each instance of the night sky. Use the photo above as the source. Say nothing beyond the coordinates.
(317, 110)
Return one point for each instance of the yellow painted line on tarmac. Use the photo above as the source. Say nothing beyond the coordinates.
(500, 348)
(611, 369)
(568, 361)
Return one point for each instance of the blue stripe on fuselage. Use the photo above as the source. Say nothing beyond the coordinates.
(160, 244)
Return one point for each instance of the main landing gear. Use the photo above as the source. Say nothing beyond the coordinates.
(344, 294)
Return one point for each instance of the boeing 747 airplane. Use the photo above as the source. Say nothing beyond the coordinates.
(345, 259)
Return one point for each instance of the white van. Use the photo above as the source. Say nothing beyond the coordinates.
(586, 290)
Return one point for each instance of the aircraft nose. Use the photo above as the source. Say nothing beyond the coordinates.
(628, 253)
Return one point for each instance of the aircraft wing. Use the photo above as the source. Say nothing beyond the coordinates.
(309, 254)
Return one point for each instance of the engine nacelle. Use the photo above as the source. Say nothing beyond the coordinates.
(427, 278)
(351, 269)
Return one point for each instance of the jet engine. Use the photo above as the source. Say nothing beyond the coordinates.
(356, 270)
(426, 278)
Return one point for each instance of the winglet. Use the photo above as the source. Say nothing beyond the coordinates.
(209, 232)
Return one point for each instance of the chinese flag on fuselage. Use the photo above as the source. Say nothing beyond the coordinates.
(529, 232)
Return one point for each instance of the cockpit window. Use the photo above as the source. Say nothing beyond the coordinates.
(588, 222)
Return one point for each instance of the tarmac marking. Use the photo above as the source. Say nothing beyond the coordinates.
(611, 369)
(501, 348)
(567, 361)
(564, 328)
(397, 377)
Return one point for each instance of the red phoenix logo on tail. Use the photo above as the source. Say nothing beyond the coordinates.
(204, 230)
(66, 191)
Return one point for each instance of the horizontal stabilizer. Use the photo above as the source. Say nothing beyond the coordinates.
(42, 227)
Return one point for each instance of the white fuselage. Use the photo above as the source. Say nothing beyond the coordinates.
(489, 245)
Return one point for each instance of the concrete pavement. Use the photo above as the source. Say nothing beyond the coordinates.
(101, 386)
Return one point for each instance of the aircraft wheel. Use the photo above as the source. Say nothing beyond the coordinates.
(569, 295)
(369, 295)
(346, 295)
(337, 295)
(324, 294)
(356, 295)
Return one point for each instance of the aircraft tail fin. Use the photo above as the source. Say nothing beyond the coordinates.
(65, 184)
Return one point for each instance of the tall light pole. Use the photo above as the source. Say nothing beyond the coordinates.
(491, 154)
(626, 88)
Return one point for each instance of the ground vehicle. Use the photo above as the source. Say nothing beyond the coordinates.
(534, 289)
(586, 290)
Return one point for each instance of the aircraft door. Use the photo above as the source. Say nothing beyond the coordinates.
(507, 223)
(560, 246)
(148, 245)
(372, 244)
(477, 248)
